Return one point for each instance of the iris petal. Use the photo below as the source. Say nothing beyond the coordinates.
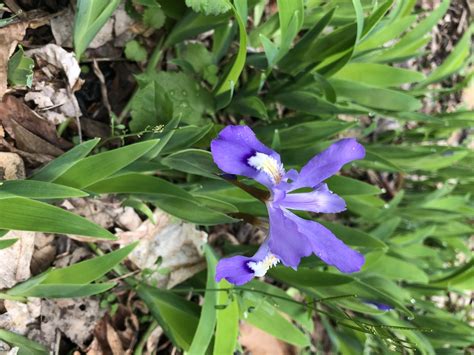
(233, 148)
(235, 270)
(328, 162)
(327, 247)
(285, 240)
(321, 200)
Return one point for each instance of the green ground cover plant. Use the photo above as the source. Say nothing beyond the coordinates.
(302, 76)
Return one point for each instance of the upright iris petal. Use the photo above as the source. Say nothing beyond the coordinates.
(238, 151)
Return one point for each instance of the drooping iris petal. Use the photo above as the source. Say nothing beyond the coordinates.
(236, 150)
(320, 200)
(285, 240)
(235, 270)
(328, 162)
(327, 247)
(239, 270)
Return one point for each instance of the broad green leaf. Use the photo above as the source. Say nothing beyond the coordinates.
(20, 69)
(353, 236)
(178, 317)
(58, 166)
(25, 345)
(191, 210)
(209, 7)
(133, 183)
(39, 189)
(393, 268)
(378, 75)
(19, 213)
(227, 322)
(185, 137)
(91, 16)
(308, 277)
(374, 97)
(207, 321)
(193, 161)
(261, 314)
(346, 186)
(97, 167)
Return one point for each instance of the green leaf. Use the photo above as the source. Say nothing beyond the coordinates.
(227, 322)
(346, 186)
(308, 277)
(19, 213)
(393, 268)
(58, 166)
(91, 16)
(209, 7)
(353, 236)
(178, 317)
(457, 59)
(224, 90)
(154, 17)
(374, 97)
(25, 345)
(134, 183)
(260, 313)
(192, 211)
(378, 75)
(6, 243)
(74, 280)
(20, 69)
(92, 169)
(167, 92)
(207, 321)
(193, 161)
(135, 51)
(39, 189)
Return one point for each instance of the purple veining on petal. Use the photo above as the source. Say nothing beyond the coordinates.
(320, 200)
(233, 148)
(235, 270)
(328, 162)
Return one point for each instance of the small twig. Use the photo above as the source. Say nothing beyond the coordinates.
(103, 86)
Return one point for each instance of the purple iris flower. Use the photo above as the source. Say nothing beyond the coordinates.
(237, 151)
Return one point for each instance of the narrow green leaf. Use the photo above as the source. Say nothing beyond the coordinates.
(90, 17)
(25, 345)
(6, 243)
(39, 189)
(227, 322)
(207, 321)
(58, 166)
(19, 213)
(100, 166)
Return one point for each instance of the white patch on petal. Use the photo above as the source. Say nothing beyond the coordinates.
(260, 268)
(269, 165)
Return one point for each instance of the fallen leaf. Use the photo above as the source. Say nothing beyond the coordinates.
(117, 27)
(19, 316)
(55, 104)
(11, 166)
(76, 318)
(9, 38)
(257, 342)
(177, 244)
(29, 142)
(13, 109)
(52, 55)
(15, 260)
(106, 211)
